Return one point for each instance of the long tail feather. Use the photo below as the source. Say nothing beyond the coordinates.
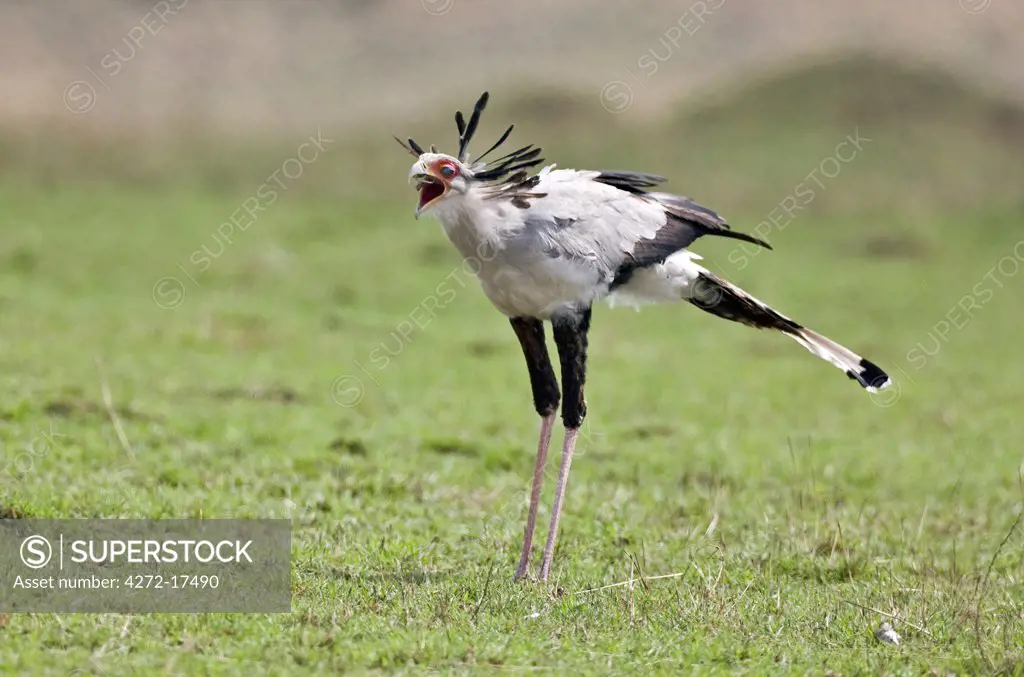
(865, 372)
(718, 297)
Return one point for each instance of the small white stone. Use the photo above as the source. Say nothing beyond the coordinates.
(886, 634)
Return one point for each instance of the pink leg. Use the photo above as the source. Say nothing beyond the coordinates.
(563, 479)
(546, 425)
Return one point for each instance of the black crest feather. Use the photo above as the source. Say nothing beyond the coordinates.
(466, 132)
(509, 170)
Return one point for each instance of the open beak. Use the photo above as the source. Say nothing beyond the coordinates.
(430, 186)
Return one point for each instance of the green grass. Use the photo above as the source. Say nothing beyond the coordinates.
(786, 499)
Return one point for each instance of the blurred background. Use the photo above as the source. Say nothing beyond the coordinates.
(140, 140)
(280, 67)
(81, 77)
(220, 177)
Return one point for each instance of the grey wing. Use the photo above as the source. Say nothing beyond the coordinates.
(691, 220)
(591, 223)
(685, 222)
(609, 219)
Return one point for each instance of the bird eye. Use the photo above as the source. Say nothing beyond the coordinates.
(447, 171)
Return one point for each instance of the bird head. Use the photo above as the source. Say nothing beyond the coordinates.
(444, 179)
(439, 177)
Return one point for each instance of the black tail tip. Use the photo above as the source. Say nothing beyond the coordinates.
(870, 376)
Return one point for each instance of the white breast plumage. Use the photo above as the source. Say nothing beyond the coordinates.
(519, 271)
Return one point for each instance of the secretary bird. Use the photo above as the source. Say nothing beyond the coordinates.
(545, 247)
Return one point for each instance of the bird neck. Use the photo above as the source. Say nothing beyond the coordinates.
(473, 226)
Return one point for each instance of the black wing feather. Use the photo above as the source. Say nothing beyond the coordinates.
(683, 210)
(631, 182)
(685, 222)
